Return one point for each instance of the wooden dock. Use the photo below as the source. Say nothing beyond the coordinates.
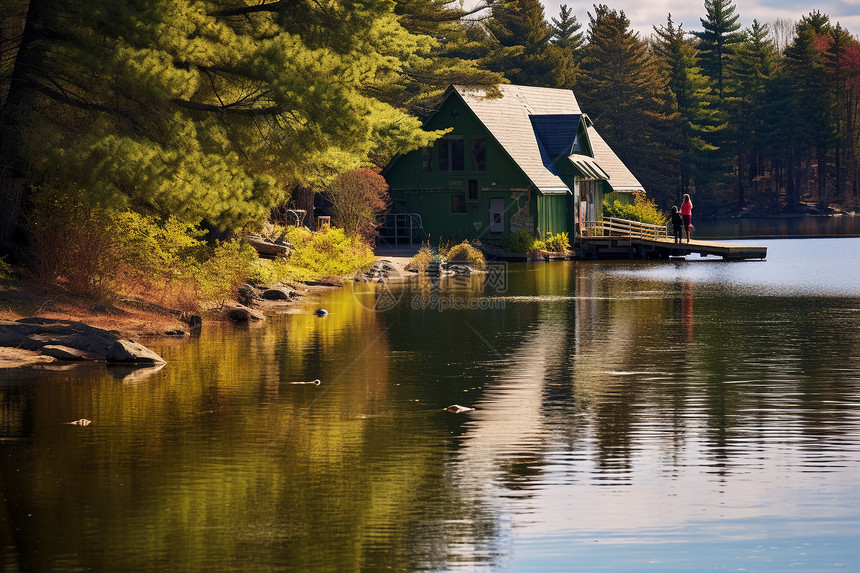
(622, 239)
(615, 247)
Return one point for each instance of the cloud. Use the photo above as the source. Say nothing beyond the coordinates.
(644, 15)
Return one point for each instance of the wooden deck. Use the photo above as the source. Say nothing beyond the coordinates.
(622, 239)
(617, 247)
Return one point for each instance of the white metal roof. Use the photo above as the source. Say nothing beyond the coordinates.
(507, 119)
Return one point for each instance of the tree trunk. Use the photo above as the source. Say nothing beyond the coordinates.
(14, 119)
(741, 188)
(303, 198)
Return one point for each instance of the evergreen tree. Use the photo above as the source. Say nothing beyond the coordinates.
(751, 70)
(812, 106)
(842, 64)
(520, 24)
(202, 110)
(566, 34)
(627, 95)
(716, 40)
(699, 162)
(454, 58)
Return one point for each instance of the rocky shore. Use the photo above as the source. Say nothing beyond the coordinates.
(38, 326)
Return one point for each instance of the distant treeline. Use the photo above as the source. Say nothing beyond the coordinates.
(765, 116)
(214, 112)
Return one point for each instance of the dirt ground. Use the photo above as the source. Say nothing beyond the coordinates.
(128, 320)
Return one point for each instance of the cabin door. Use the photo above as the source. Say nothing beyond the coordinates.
(497, 215)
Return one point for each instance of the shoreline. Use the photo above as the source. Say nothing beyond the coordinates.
(136, 319)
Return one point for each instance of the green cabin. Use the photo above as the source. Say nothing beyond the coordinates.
(528, 160)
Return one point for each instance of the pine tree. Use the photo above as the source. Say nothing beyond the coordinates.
(454, 58)
(716, 40)
(842, 65)
(812, 105)
(566, 34)
(698, 126)
(208, 111)
(626, 94)
(751, 70)
(520, 24)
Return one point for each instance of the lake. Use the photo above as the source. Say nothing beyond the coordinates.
(689, 415)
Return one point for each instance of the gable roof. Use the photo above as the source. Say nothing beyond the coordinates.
(535, 126)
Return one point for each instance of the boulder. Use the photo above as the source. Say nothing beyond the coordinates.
(128, 352)
(61, 352)
(248, 294)
(277, 293)
(241, 313)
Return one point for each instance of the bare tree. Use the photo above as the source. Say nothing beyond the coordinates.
(781, 32)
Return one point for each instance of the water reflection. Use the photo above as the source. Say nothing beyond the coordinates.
(660, 411)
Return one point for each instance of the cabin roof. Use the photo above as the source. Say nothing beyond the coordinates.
(537, 125)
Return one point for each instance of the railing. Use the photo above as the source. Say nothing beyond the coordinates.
(610, 226)
(396, 228)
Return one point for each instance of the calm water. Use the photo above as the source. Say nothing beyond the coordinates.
(673, 416)
(753, 227)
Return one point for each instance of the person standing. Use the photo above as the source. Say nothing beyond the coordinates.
(677, 223)
(687, 214)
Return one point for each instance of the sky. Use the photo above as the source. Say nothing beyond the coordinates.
(644, 14)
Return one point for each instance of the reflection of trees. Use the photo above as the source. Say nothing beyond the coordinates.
(217, 457)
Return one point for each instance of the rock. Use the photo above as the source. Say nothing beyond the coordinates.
(276, 293)
(128, 352)
(193, 320)
(321, 312)
(243, 314)
(458, 409)
(74, 341)
(248, 294)
(65, 353)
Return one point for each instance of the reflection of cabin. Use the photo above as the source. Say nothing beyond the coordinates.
(527, 160)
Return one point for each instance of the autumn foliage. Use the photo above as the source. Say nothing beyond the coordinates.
(357, 199)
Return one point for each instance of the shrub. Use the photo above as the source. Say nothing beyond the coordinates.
(357, 199)
(422, 259)
(98, 252)
(74, 243)
(229, 265)
(324, 254)
(7, 273)
(521, 242)
(557, 243)
(643, 209)
(464, 252)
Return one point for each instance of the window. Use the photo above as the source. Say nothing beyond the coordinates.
(451, 155)
(427, 158)
(473, 190)
(479, 155)
(458, 202)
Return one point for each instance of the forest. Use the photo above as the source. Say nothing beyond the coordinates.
(211, 113)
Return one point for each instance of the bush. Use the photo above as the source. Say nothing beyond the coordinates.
(422, 259)
(98, 252)
(74, 243)
(357, 199)
(557, 243)
(521, 242)
(466, 253)
(7, 273)
(324, 254)
(643, 209)
(229, 265)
